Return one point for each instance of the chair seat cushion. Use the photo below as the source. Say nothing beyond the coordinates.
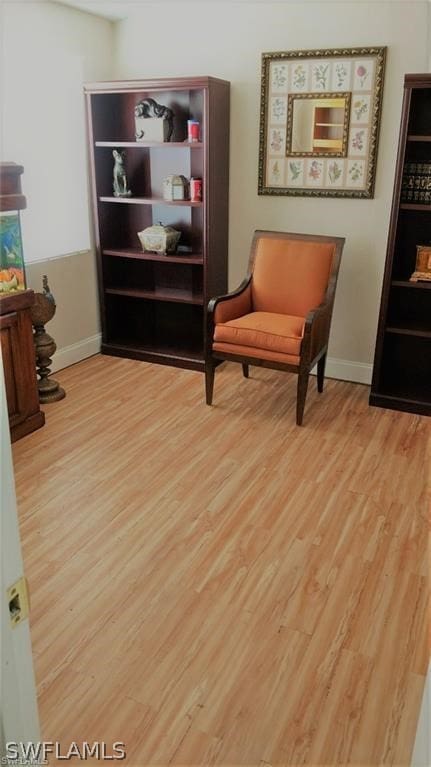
(225, 351)
(280, 333)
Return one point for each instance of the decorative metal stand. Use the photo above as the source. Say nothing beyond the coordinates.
(42, 311)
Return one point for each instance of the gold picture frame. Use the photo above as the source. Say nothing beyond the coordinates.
(423, 264)
(346, 85)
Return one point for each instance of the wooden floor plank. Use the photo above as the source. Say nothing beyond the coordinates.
(217, 586)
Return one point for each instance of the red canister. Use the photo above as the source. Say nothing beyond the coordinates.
(196, 189)
(193, 130)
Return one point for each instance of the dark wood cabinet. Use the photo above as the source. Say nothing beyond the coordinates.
(153, 307)
(402, 363)
(16, 329)
(17, 348)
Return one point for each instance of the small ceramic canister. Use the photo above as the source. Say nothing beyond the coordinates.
(193, 130)
(175, 188)
(196, 189)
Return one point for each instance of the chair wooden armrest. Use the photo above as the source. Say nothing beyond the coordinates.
(316, 332)
(229, 306)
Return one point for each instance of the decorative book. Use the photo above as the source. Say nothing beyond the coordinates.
(416, 183)
(423, 264)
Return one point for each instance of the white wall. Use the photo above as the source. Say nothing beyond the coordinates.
(226, 39)
(429, 36)
(35, 37)
(47, 53)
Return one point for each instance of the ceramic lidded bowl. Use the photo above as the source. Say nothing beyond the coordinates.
(159, 239)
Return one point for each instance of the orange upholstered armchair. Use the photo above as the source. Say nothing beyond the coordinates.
(280, 315)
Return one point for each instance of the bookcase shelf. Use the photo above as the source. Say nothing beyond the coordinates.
(411, 285)
(177, 354)
(424, 207)
(175, 295)
(150, 144)
(143, 255)
(151, 201)
(402, 361)
(410, 331)
(419, 138)
(152, 306)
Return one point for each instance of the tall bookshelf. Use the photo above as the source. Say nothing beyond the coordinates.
(402, 363)
(153, 306)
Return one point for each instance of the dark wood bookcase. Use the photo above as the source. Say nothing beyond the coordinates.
(153, 307)
(402, 363)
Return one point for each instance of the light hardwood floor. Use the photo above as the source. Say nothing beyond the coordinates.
(217, 585)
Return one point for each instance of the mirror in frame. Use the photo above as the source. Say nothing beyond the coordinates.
(318, 124)
(320, 121)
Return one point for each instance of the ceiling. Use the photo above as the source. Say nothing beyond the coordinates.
(109, 9)
(118, 9)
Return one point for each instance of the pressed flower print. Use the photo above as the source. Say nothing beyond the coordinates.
(335, 172)
(295, 171)
(358, 141)
(277, 141)
(299, 77)
(276, 173)
(279, 77)
(341, 76)
(363, 75)
(315, 171)
(320, 73)
(278, 110)
(355, 172)
(360, 108)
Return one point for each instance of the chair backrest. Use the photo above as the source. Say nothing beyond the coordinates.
(292, 273)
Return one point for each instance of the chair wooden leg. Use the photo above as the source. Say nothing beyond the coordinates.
(301, 396)
(321, 373)
(245, 370)
(209, 381)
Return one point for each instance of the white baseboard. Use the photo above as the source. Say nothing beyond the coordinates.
(69, 355)
(343, 370)
(347, 370)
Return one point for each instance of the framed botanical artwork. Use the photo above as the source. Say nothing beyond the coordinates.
(319, 122)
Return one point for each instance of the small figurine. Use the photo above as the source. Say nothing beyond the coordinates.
(150, 108)
(120, 179)
(47, 290)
